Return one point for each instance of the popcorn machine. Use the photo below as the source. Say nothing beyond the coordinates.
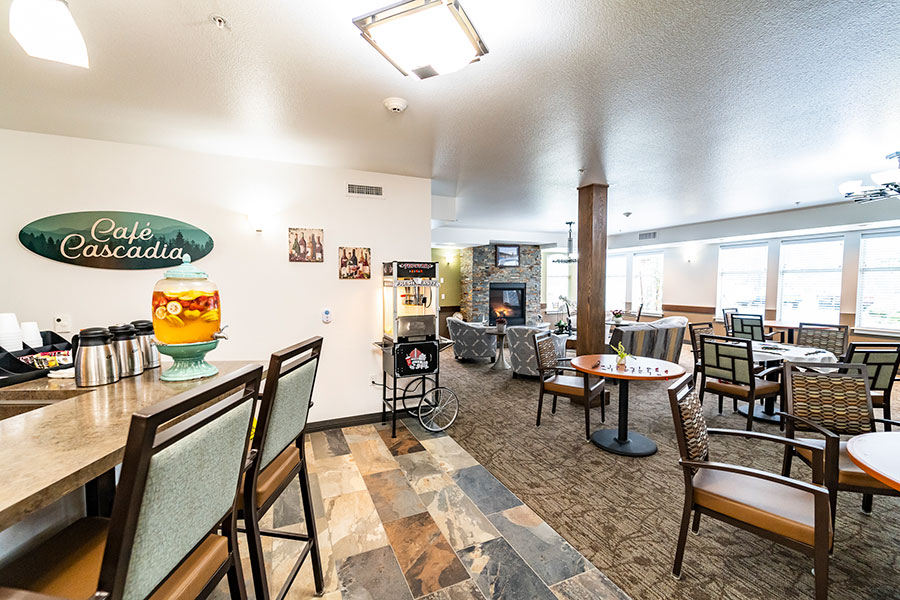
(410, 345)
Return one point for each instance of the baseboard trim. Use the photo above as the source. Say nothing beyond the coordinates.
(367, 419)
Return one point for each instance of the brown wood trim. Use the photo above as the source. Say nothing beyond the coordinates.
(366, 419)
(686, 308)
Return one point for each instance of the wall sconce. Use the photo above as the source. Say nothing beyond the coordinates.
(257, 221)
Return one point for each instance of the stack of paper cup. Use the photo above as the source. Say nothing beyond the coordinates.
(10, 333)
(31, 334)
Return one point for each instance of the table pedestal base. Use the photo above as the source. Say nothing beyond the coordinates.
(634, 445)
(760, 414)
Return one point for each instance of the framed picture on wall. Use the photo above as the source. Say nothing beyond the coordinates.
(305, 245)
(507, 256)
(355, 263)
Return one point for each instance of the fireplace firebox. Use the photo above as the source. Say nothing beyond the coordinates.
(507, 300)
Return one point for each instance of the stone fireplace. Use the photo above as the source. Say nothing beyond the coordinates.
(507, 300)
(479, 273)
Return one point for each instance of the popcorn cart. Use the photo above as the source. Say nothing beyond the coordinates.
(411, 346)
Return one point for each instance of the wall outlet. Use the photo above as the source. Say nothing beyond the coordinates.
(443, 296)
(62, 323)
(374, 379)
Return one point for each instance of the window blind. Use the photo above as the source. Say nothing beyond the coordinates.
(647, 282)
(616, 281)
(878, 294)
(809, 280)
(557, 279)
(741, 282)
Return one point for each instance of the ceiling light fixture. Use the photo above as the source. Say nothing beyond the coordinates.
(46, 29)
(571, 255)
(887, 185)
(423, 37)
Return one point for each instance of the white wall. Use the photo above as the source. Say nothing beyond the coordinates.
(268, 303)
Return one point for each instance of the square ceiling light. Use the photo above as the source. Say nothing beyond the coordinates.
(423, 37)
(46, 29)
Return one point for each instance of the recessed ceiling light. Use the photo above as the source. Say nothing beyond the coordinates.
(46, 29)
(423, 37)
(220, 22)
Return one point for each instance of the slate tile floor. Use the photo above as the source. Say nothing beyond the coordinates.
(416, 517)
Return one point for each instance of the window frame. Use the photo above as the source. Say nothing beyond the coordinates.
(635, 302)
(858, 324)
(761, 244)
(780, 274)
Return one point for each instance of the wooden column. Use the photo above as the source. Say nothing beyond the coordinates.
(591, 322)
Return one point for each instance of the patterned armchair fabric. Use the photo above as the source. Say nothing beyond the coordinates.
(833, 338)
(748, 327)
(470, 340)
(690, 424)
(660, 339)
(521, 349)
(838, 401)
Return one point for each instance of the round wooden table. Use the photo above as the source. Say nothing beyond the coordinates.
(878, 454)
(783, 326)
(637, 368)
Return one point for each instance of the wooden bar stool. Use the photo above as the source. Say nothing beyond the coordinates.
(277, 455)
(177, 491)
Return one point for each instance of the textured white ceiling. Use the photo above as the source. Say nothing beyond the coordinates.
(692, 110)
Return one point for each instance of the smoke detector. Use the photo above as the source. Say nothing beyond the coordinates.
(395, 105)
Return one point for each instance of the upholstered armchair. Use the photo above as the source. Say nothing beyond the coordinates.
(470, 342)
(660, 339)
(792, 513)
(521, 350)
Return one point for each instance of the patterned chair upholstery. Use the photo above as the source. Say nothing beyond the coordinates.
(882, 360)
(727, 370)
(833, 338)
(696, 330)
(832, 404)
(747, 327)
(470, 340)
(521, 349)
(727, 313)
(790, 512)
(660, 339)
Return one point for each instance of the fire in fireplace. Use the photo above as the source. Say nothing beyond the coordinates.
(507, 300)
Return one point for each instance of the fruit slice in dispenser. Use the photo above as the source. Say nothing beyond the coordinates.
(185, 317)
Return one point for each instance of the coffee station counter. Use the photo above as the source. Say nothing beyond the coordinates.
(66, 436)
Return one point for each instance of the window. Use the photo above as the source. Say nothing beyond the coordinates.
(616, 281)
(646, 283)
(557, 279)
(878, 295)
(809, 281)
(742, 278)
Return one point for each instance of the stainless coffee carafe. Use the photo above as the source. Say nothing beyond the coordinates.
(128, 350)
(95, 359)
(148, 343)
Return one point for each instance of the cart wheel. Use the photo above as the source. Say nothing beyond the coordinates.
(438, 409)
(414, 390)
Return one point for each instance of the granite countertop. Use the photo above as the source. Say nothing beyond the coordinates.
(80, 434)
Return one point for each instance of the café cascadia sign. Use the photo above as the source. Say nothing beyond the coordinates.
(115, 240)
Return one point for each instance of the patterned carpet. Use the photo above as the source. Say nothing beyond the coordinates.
(623, 513)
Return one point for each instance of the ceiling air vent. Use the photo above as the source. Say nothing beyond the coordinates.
(366, 191)
(648, 235)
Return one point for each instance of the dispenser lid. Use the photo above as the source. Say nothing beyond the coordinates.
(185, 270)
(143, 326)
(123, 332)
(93, 333)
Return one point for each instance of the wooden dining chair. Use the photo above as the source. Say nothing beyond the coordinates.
(833, 338)
(277, 456)
(882, 360)
(171, 535)
(750, 327)
(554, 381)
(832, 404)
(789, 512)
(727, 313)
(696, 330)
(727, 370)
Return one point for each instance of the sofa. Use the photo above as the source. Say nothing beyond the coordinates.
(470, 342)
(662, 339)
(522, 355)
